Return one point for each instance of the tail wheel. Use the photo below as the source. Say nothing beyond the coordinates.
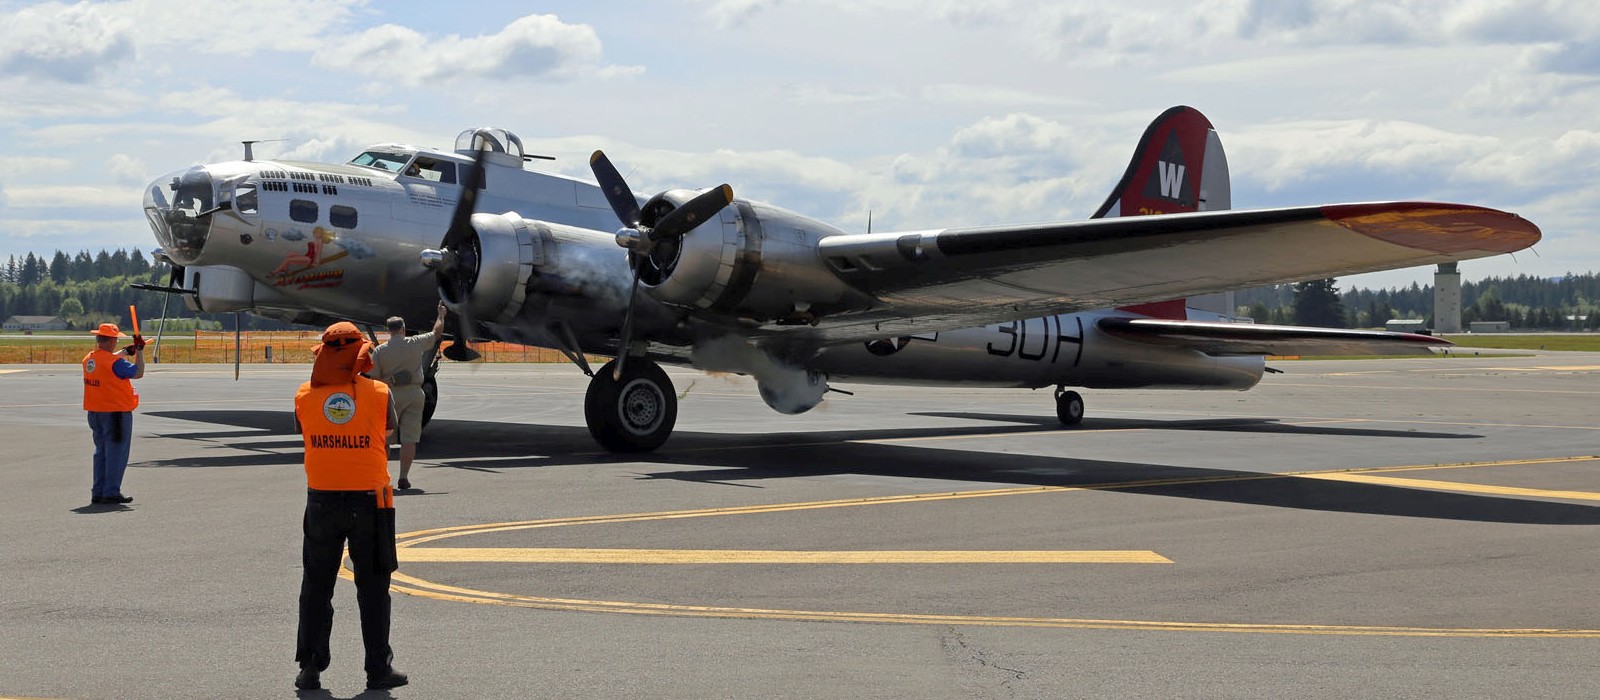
(633, 413)
(1069, 407)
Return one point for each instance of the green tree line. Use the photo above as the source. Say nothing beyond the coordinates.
(1567, 303)
(89, 289)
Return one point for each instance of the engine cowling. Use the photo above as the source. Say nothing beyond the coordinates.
(507, 248)
(753, 260)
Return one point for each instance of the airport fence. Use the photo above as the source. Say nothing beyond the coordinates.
(254, 347)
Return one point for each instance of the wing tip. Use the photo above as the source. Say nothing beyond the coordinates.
(1438, 227)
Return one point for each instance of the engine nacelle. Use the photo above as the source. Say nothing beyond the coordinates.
(754, 261)
(223, 288)
(508, 248)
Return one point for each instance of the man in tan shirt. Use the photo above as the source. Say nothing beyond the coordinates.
(399, 363)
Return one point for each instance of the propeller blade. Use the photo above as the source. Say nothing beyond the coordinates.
(693, 213)
(627, 324)
(461, 219)
(615, 189)
(460, 350)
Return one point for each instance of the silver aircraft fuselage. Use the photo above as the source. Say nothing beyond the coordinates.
(313, 242)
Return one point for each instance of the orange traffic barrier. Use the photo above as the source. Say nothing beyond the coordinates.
(254, 347)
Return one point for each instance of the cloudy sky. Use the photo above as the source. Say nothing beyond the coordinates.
(926, 113)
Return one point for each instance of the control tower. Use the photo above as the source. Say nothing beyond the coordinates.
(1447, 299)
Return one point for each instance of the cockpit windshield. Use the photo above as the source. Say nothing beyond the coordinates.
(391, 161)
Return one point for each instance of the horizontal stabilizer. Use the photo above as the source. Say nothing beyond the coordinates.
(1255, 339)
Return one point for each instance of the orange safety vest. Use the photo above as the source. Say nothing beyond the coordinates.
(344, 426)
(103, 390)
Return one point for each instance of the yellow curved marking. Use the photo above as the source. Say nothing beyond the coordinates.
(426, 589)
(418, 587)
(557, 555)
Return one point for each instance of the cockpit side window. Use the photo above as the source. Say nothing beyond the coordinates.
(432, 169)
(382, 160)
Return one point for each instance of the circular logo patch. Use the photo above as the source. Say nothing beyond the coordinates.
(89, 366)
(339, 408)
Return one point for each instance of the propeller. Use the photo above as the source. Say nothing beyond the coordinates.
(456, 265)
(642, 240)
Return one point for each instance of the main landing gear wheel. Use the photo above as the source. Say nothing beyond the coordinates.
(635, 413)
(430, 390)
(1069, 407)
(430, 399)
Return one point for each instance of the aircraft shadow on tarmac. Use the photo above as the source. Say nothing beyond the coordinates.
(736, 459)
(1237, 425)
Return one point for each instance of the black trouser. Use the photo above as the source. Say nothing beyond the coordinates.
(332, 518)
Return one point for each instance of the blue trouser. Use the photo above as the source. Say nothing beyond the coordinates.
(113, 435)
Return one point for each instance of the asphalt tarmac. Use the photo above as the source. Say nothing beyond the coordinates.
(1415, 528)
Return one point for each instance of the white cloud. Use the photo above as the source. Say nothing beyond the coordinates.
(23, 168)
(928, 113)
(732, 13)
(127, 170)
(1291, 153)
(92, 42)
(73, 197)
(532, 47)
(68, 43)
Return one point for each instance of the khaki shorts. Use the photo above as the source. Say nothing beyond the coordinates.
(408, 403)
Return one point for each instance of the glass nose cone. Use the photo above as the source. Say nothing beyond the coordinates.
(179, 206)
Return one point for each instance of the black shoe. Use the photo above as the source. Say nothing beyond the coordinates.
(388, 679)
(117, 499)
(309, 679)
(405, 484)
(97, 500)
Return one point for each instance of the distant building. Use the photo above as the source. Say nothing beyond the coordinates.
(34, 323)
(1447, 299)
(1490, 326)
(1406, 325)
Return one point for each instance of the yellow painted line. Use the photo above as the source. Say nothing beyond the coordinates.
(424, 536)
(413, 586)
(10, 371)
(1411, 421)
(1415, 387)
(1571, 368)
(747, 556)
(1458, 487)
(410, 585)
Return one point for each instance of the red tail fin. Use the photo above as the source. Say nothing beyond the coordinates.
(1178, 166)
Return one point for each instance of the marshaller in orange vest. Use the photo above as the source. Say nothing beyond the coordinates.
(109, 398)
(346, 419)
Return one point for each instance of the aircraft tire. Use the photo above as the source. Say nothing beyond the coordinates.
(1069, 407)
(430, 399)
(635, 414)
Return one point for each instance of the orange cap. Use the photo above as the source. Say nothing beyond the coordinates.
(108, 330)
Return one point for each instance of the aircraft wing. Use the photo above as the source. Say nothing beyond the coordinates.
(1254, 339)
(963, 277)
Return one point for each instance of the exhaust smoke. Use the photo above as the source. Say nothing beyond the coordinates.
(786, 388)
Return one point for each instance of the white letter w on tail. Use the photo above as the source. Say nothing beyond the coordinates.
(1171, 178)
